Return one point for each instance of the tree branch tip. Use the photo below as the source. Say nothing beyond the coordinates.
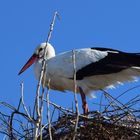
(58, 15)
(21, 83)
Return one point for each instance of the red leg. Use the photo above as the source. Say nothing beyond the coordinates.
(84, 103)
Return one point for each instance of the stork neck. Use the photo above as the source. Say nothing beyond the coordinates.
(50, 53)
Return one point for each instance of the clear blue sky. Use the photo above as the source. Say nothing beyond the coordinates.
(88, 23)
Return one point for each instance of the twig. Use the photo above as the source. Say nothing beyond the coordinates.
(52, 115)
(75, 94)
(128, 91)
(51, 26)
(115, 100)
(22, 101)
(133, 101)
(101, 103)
(41, 112)
(11, 126)
(8, 105)
(62, 109)
(48, 110)
(41, 77)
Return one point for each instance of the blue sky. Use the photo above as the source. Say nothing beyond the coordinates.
(92, 23)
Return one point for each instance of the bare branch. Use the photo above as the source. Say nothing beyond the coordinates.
(48, 110)
(75, 93)
(23, 104)
(41, 78)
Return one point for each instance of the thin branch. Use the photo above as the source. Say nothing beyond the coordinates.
(128, 91)
(62, 109)
(52, 25)
(41, 77)
(41, 112)
(22, 101)
(52, 115)
(8, 105)
(48, 110)
(115, 100)
(101, 103)
(75, 94)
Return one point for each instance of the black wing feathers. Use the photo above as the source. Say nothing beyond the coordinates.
(112, 63)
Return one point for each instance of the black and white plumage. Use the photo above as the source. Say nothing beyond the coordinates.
(96, 68)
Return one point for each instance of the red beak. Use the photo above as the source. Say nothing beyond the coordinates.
(32, 59)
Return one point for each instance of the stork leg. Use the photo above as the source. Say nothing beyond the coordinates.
(84, 103)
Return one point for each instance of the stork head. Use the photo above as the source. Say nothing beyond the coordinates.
(38, 55)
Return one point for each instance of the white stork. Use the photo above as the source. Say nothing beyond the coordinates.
(96, 68)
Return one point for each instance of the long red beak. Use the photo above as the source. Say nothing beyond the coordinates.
(32, 59)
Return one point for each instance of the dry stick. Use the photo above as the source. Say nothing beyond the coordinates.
(133, 101)
(52, 115)
(4, 119)
(75, 94)
(22, 101)
(48, 110)
(62, 109)
(115, 100)
(126, 92)
(123, 106)
(47, 94)
(100, 107)
(41, 77)
(11, 121)
(41, 111)
(11, 124)
(111, 102)
(23, 104)
(11, 118)
(8, 106)
(5, 123)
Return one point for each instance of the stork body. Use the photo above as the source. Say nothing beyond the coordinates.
(96, 68)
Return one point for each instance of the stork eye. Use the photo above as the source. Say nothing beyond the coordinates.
(40, 49)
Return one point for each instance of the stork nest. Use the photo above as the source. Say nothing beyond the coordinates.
(95, 126)
(114, 121)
